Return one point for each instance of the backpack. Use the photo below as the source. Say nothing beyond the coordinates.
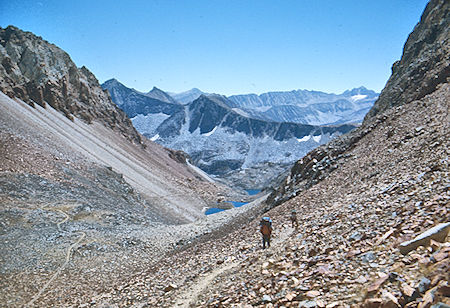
(266, 226)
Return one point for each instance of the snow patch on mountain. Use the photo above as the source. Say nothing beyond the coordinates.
(210, 133)
(241, 112)
(358, 97)
(317, 138)
(304, 139)
(238, 150)
(147, 124)
(155, 137)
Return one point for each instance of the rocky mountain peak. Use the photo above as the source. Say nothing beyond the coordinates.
(212, 100)
(159, 94)
(425, 61)
(187, 96)
(112, 82)
(39, 72)
(359, 91)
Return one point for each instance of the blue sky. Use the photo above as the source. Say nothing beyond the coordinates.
(227, 47)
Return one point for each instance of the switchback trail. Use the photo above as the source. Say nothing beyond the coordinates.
(67, 259)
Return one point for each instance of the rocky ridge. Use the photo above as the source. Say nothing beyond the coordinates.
(426, 54)
(308, 107)
(39, 72)
(425, 60)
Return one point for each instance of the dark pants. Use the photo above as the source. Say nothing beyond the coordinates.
(266, 239)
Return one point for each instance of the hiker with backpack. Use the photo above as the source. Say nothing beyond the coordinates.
(265, 227)
(294, 220)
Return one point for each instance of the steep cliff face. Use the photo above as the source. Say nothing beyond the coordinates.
(38, 72)
(425, 62)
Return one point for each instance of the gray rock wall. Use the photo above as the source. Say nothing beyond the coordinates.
(38, 72)
(425, 62)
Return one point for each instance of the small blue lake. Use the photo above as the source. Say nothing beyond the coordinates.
(214, 210)
(236, 203)
(253, 192)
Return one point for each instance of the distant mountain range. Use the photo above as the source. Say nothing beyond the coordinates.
(308, 107)
(218, 134)
(299, 106)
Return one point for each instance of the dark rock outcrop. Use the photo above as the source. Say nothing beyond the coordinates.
(425, 62)
(133, 102)
(318, 164)
(38, 72)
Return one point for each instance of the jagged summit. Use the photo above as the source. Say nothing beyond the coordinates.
(187, 96)
(217, 99)
(133, 102)
(360, 90)
(308, 107)
(161, 95)
(112, 81)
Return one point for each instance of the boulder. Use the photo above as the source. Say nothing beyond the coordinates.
(437, 233)
(170, 287)
(266, 298)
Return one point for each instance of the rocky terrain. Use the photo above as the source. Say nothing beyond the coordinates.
(346, 249)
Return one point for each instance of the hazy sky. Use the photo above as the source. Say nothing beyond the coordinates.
(227, 47)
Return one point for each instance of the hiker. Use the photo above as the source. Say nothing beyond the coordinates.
(293, 218)
(265, 227)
